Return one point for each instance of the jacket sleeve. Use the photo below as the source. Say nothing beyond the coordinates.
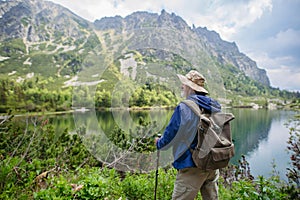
(171, 129)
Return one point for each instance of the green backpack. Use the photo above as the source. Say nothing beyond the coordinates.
(215, 147)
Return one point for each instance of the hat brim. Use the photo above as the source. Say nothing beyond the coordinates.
(184, 80)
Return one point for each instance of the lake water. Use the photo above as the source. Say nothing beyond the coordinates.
(261, 135)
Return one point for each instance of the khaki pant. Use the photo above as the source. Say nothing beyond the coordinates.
(190, 181)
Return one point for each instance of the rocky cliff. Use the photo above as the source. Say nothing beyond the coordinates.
(38, 21)
(225, 52)
(228, 53)
(45, 23)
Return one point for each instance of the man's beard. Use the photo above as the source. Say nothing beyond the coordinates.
(183, 94)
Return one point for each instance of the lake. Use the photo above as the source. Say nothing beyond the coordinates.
(261, 135)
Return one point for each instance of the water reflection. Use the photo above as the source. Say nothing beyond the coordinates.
(259, 134)
(269, 147)
(248, 128)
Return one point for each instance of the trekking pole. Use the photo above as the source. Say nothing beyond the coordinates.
(156, 175)
(156, 172)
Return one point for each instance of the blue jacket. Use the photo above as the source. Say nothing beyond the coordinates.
(180, 133)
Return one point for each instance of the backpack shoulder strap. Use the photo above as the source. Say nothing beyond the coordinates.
(205, 121)
(193, 106)
(200, 129)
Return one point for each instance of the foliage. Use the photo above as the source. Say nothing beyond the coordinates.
(132, 141)
(95, 183)
(32, 95)
(39, 163)
(30, 152)
(238, 183)
(46, 91)
(38, 94)
(237, 83)
(12, 48)
(293, 147)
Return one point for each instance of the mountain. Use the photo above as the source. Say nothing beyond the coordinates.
(45, 47)
(42, 38)
(228, 53)
(38, 21)
(225, 52)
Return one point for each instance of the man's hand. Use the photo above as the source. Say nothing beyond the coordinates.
(157, 138)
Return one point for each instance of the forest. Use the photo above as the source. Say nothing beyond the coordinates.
(40, 94)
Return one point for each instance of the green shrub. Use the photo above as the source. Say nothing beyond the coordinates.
(39, 163)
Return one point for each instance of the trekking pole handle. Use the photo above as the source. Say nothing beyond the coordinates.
(157, 138)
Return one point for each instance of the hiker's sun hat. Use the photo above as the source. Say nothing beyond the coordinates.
(194, 80)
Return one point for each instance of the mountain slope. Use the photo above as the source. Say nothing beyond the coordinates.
(43, 38)
(228, 53)
(210, 41)
(42, 27)
(37, 21)
(45, 49)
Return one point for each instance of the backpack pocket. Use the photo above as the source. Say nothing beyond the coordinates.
(217, 158)
(223, 153)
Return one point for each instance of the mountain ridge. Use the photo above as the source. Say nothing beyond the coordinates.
(45, 23)
(219, 48)
(32, 19)
(51, 58)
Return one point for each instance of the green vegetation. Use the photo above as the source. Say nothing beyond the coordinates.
(46, 91)
(39, 163)
(242, 88)
(294, 149)
(46, 94)
(12, 48)
(33, 96)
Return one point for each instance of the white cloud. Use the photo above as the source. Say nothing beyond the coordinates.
(281, 75)
(284, 78)
(89, 9)
(94, 9)
(228, 19)
(225, 17)
(283, 39)
(267, 62)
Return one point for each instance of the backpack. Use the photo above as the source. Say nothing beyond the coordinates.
(215, 147)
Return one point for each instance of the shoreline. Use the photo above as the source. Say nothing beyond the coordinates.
(83, 109)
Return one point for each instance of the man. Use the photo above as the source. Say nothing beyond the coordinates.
(180, 134)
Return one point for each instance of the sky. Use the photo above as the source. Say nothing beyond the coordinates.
(268, 31)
